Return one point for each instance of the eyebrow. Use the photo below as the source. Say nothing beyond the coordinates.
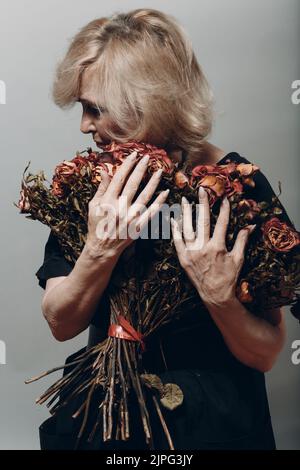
(89, 103)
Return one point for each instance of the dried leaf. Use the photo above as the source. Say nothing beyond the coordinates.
(172, 396)
(153, 381)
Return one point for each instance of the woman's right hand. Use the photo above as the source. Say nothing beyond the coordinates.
(109, 216)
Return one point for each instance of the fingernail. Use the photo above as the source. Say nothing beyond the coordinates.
(250, 227)
(159, 172)
(134, 155)
(202, 191)
(145, 159)
(224, 200)
(167, 191)
(184, 200)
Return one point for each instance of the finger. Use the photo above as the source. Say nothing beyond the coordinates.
(103, 185)
(121, 174)
(203, 221)
(188, 231)
(147, 193)
(219, 235)
(134, 180)
(177, 237)
(242, 238)
(149, 213)
(178, 240)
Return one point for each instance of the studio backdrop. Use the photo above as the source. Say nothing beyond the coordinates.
(249, 51)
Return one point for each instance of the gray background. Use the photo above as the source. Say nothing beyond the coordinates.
(248, 50)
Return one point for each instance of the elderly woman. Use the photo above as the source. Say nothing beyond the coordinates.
(137, 77)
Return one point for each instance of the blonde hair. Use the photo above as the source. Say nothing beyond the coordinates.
(145, 74)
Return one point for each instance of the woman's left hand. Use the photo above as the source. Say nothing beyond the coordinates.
(211, 268)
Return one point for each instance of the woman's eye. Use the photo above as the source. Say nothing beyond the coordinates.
(92, 110)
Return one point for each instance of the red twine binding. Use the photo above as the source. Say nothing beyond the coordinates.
(126, 331)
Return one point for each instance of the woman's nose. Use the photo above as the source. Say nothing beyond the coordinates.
(87, 125)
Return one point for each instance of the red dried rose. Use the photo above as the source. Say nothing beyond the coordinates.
(57, 189)
(279, 236)
(66, 168)
(82, 161)
(157, 162)
(158, 157)
(214, 179)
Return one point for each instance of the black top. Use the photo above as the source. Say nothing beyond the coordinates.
(225, 404)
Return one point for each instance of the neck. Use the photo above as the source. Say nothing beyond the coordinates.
(208, 154)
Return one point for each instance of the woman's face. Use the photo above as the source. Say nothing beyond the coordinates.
(92, 121)
(97, 123)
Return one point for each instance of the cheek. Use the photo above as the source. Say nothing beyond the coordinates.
(103, 125)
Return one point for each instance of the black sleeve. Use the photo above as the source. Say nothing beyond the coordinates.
(263, 190)
(54, 264)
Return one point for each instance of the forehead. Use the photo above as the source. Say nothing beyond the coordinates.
(87, 85)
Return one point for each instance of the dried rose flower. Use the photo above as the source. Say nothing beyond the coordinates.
(66, 168)
(279, 236)
(57, 189)
(247, 169)
(163, 162)
(216, 179)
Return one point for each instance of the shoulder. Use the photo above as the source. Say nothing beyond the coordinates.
(262, 189)
(262, 186)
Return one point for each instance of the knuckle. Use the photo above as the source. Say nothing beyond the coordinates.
(134, 188)
(185, 262)
(245, 232)
(218, 249)
(213, 248)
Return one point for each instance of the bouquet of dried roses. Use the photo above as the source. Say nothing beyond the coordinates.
(147, 292)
